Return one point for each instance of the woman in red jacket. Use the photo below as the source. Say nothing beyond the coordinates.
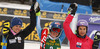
(79, 40)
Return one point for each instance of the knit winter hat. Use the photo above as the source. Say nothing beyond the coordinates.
(16, 21)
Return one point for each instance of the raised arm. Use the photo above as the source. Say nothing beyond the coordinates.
(62, 36)
(66, 25)
(33, 10)
(38, 26)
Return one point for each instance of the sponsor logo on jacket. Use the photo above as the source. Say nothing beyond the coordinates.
(78, 44)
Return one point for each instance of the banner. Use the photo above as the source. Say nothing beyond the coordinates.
(82, 2)
(23, 12)
(94, 24)
(53, 15)
(84, 6)
(12, 11)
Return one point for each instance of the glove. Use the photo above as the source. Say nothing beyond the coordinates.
(72, 9)
(97, 36)
(35, 8)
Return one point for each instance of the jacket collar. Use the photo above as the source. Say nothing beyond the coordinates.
(12, 32)
(52, 37)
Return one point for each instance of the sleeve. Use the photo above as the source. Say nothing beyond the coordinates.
(31, 27)
(68, 32)
(38, 26)
(62, 36)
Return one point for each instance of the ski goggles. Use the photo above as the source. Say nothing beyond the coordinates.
(56, 30)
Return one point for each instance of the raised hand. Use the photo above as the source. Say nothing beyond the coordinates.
(35, 8)
(72, 8)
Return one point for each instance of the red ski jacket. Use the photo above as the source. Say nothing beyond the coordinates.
(76, 42)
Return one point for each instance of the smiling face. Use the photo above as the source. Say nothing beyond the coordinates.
(16, 28)
(82, 30)
(54, 34)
